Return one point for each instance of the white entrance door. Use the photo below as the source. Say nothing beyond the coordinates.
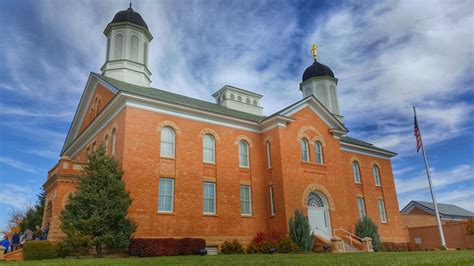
(319, 222)
(318, 215)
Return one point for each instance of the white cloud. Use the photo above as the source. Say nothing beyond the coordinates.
(18, 165)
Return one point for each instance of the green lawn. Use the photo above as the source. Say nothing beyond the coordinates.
(381, 258)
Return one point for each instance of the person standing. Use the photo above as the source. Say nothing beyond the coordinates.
(15, 242)
(38, 233)
(5, 244)
(46, 231)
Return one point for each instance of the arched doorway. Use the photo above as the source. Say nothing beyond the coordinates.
(318, 214)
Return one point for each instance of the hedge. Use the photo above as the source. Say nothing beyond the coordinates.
(39, 250)
(150, 247)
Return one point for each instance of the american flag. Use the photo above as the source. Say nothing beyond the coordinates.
(417, 134)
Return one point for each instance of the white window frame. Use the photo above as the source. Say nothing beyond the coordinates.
(243, 153)
(356, 172)
(212, 149)
(272, 200)
(205, 197)
(165, 197)
(304, 150)
(172, 142)
(269, 156)
(361, 207)
(246, 201)
(318, 147)
(382, 211)
(376, 171)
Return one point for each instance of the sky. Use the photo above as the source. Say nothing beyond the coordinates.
(387, 55)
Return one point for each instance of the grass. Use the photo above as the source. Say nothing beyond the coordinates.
(465, 257)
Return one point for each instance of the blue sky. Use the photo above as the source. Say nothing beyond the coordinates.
(387, 56)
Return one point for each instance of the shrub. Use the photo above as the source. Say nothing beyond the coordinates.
(39, 250)
(300, 231)
(233, 247)
(367, 228)
(390, 246)
(263, 243)
(149, 247)
(470, 227)
(75, 245)
(286, 245)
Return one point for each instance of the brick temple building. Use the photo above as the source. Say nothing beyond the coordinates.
(223, 170)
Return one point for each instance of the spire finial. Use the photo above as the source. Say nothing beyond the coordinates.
(314, 49)
(130, 4)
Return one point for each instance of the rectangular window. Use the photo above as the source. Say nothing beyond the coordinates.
(245, 200)
(272, 201)
(361, 205)
(209, 195)
(166, 195)
(383, 214)
(269, 157)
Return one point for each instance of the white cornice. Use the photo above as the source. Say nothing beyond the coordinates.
(366, 151)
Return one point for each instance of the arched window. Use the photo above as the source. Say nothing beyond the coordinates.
(304, 150)
(319, 152)
(315, 200)
(376, 175)
(248, 101)
(239, 98)
(269, 157)
(113, 141)
(145, 53)
(307, 91)
(255, 102)
(208, 148)
(356, 170)
(167, 142)
(243, 154)
(107, 52)
(232, 96)
(134, 48)
(118, 46)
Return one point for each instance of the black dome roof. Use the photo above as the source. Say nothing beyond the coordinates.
(317, 70)
(129, 16)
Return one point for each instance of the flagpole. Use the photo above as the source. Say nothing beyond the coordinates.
(438, 220)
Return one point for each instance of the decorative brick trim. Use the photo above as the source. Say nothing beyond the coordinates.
(243, 137)
(372, 163)
(307, 132)
(321, 189)
(355, 159)
(320, 139)
(267, 139)
(211, 132)
(167, 123)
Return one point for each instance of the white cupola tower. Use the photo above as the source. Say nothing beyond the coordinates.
(128, 39)
(318, 80)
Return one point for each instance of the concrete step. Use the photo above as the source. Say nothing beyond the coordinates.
(16, 255)
(349, 248)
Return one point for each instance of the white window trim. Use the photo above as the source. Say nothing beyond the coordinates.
(306, 145)
(172, 195)
(316, 145)
(361, 199)
(213, 148)
(358, 178)
(382, 211)
(250, 201)
(173, 150)
(247, 154)
(377, 180)
(269, 156)
(214, 199)
(272, 201)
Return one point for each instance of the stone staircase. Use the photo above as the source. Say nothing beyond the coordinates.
(348, 248)
(16, 255)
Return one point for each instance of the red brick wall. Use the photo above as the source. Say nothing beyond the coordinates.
(454, 233)
(138, 149)
(102, 95)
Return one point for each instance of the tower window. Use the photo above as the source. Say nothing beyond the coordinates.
(145, 53)
(134, 48)
(239, 98)
(232, 96)
(118, 46)
(248, 101)
(255, 102)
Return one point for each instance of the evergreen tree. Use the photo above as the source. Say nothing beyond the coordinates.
(300, 231)
(33, 216)
(97, 211)
(367, 228)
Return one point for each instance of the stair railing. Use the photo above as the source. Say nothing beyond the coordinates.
(351, 236)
